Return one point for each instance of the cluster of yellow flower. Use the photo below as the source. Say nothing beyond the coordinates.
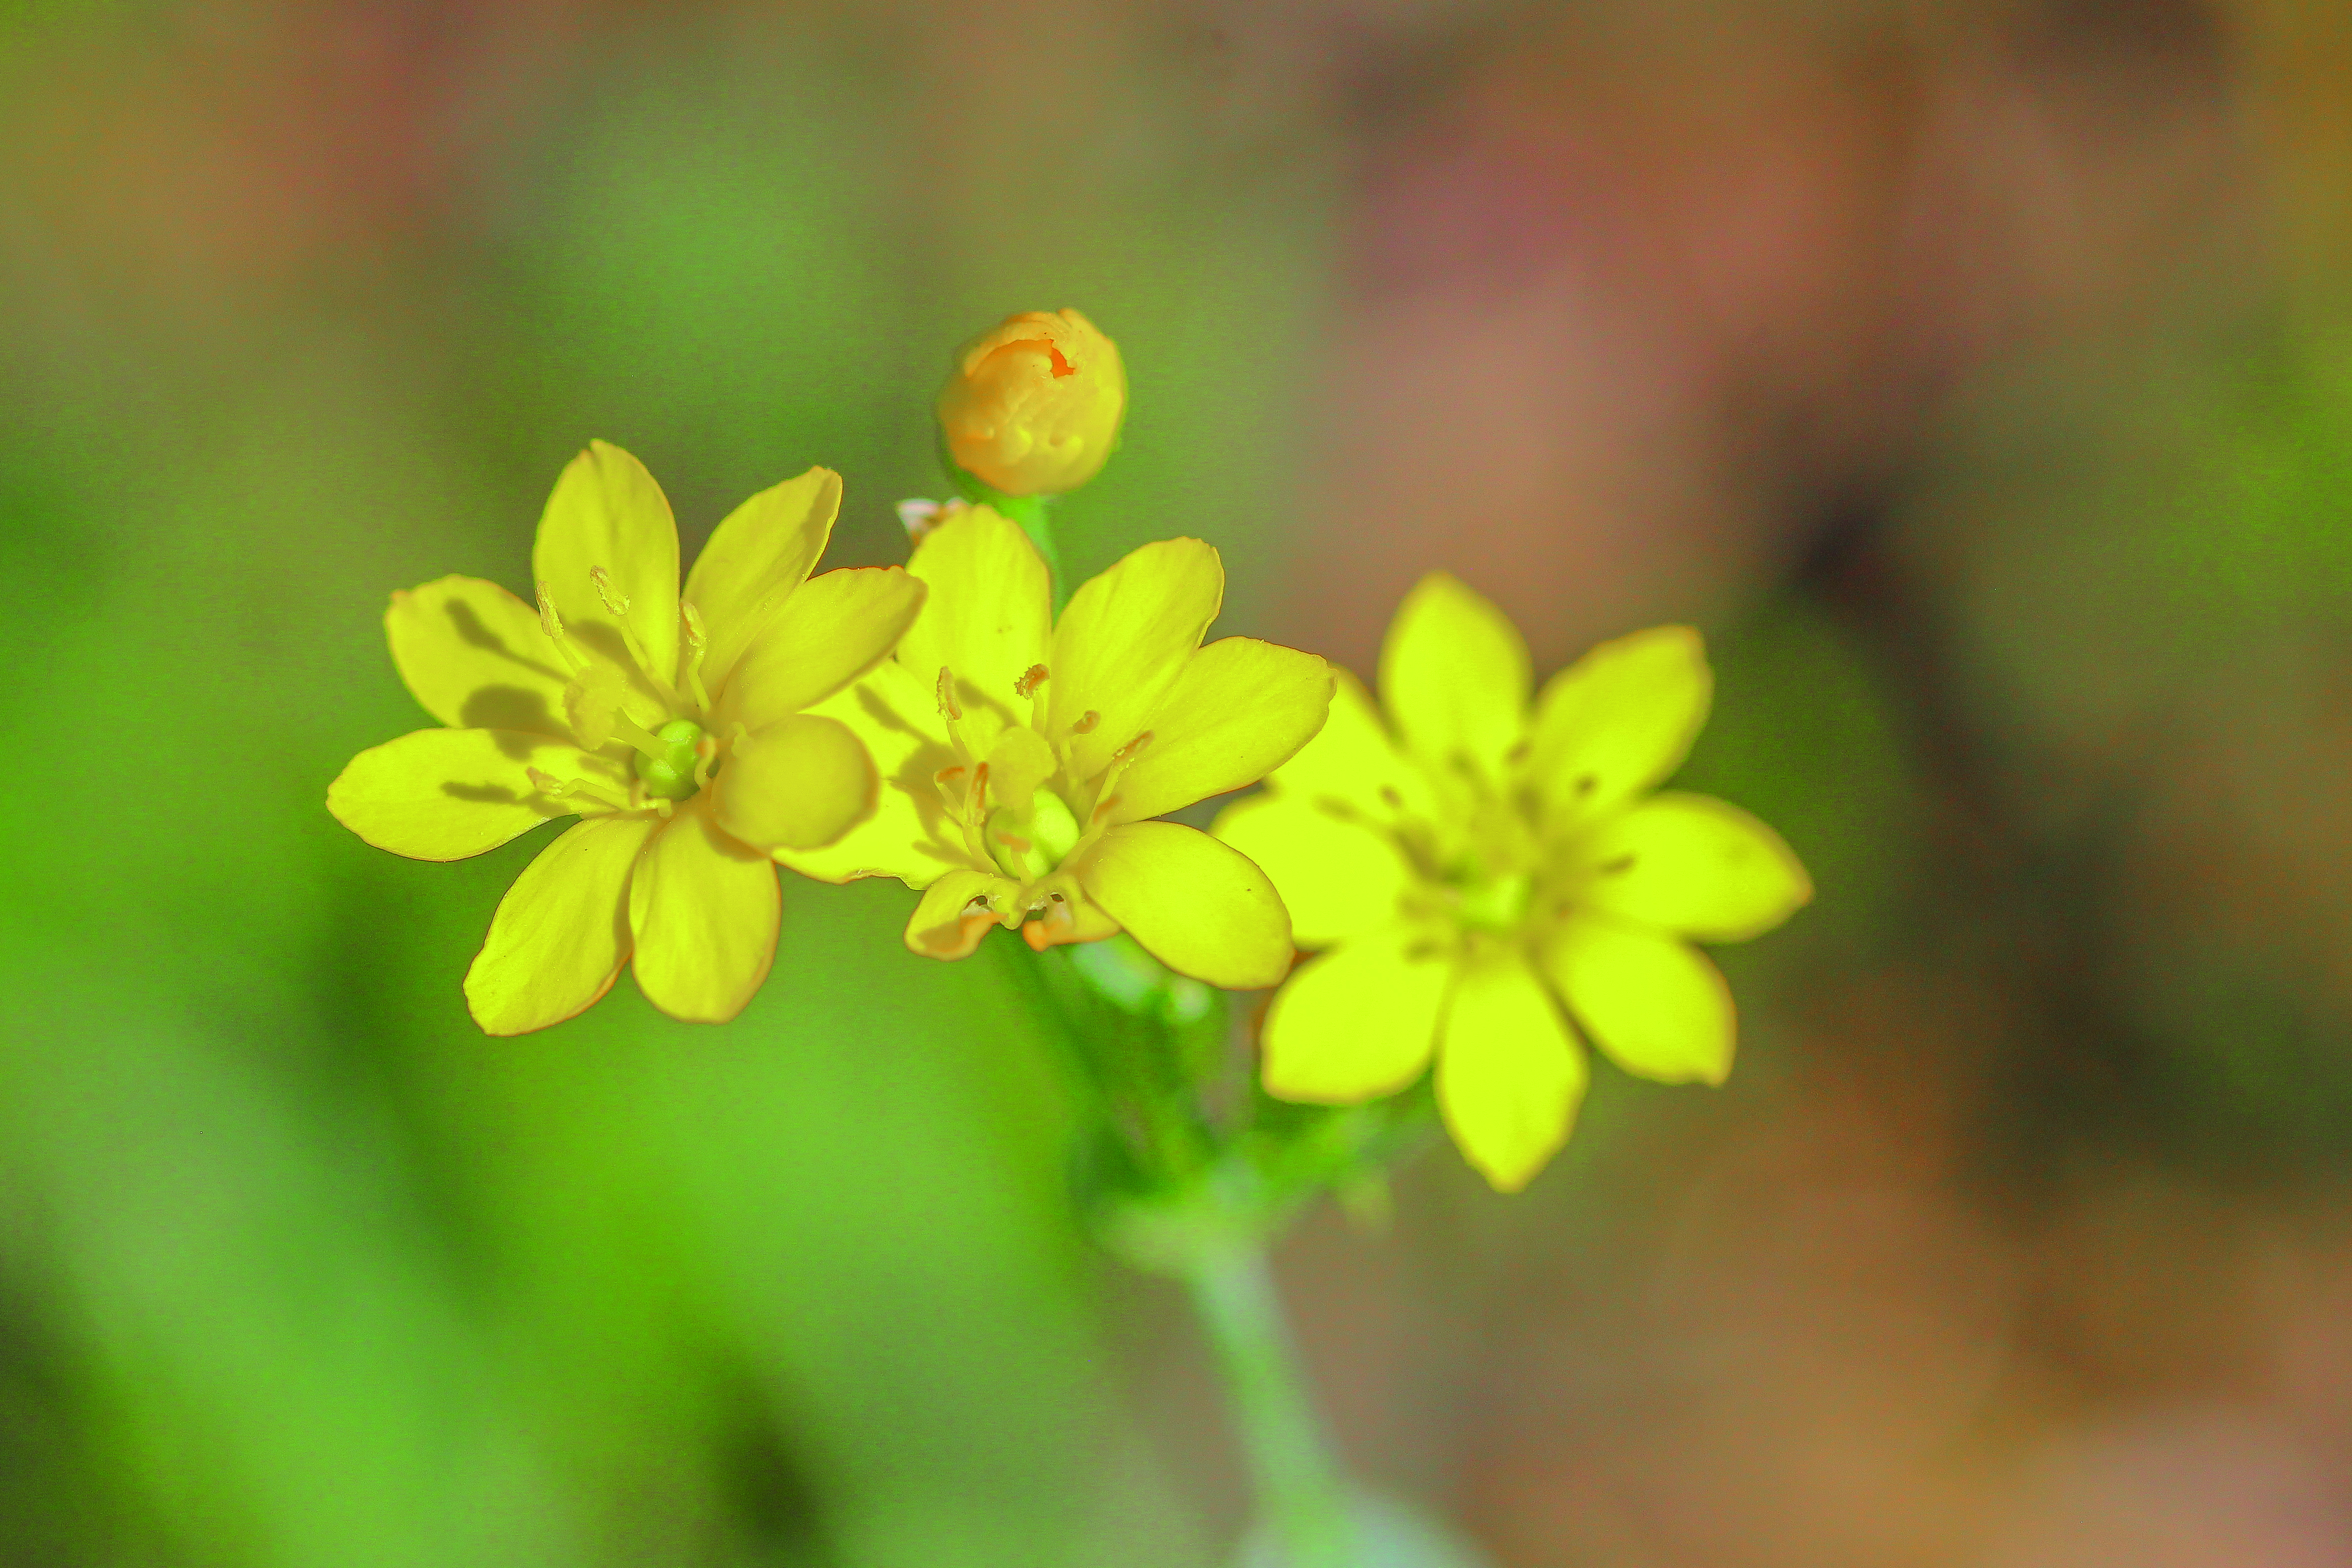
(1482, 871)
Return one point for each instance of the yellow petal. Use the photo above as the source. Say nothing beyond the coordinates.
(1651, 1001)
(838, 627)
(957, 910)
(1509, 1075)
(1240, 709)
(442, 795)
(1453, 675)
(909, 836)
(1359, 1021)
(798, 783)
(1122, 643)
(703, 911)
(987, 615)
(476, 657)
(762, 552)
(1337, 879)
(1353, 762)
(1693, 864)
(1617, 721)
(1198, 906)
(606, 513)
(562, 932)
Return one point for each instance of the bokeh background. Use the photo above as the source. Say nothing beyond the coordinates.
(1973, 371)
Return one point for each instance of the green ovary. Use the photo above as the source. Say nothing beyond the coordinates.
(1496, 904)
(671, 775)
(1049, 833)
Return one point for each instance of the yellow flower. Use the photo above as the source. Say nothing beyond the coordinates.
(672, 727)
(1483, 865)
(1022, 758)
(1035, 406)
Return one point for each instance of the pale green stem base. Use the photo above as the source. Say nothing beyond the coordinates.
(1301, 1499)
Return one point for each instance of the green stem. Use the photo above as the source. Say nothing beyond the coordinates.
(1301, 1501)
(1052, 1001)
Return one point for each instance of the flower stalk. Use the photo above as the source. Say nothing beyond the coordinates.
(1301, 1497)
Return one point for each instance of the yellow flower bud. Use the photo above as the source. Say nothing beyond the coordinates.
(1035, 406)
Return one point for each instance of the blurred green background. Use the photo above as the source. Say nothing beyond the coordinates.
(1971, 371)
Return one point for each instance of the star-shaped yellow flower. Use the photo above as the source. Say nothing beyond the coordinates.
(674, 728)
(1485, 864)
(1023, 759)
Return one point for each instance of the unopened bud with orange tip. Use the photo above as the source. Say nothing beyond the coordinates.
(1034, 407)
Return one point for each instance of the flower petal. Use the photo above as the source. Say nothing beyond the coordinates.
(443, 794)
(1359, 1021)
(798, 783)
(1123, 642)
(1240, 709)
(838, 627)
(910, 836)
(1200, 906)
(1617, 721)
(562, 932)
(703, 912)
(1509, 1075)
(755, 559)
(1453, 675)
(988, 615)
(476, 657)
(1693, 864)
(1651, 1001)
(956, 911)
(1353, 762)
(1337, 879)
(606, 513)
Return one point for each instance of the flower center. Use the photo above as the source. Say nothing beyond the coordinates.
(1495, 904)
(1029, 847)
(670, 774)
(672, 762)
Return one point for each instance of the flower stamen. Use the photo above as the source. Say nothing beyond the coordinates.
(975, 815)
(1112, 769)
(552, 624)
(698, 643)
(555, 788)
(617, 604)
